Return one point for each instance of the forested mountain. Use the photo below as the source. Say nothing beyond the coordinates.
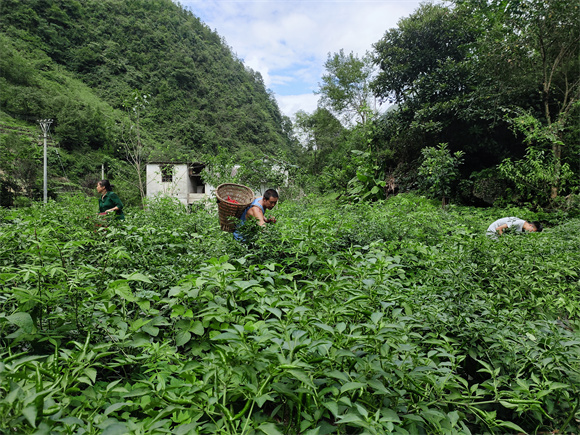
(89, 65)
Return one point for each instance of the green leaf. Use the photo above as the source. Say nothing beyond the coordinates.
(115, 429)
(124, 291)
(325, 327)
(71, 420)
(113, 384)
(30, 413)
(137, 324)
(136, 276)
(226, 336)
(85, 380)
(263, 399)
(246, 284)
(377, 386)
(151, 330)
(376, 316)
(144, 305)
(178, 290)
(197, 328)
(350, 418)
(511, 426)
(432, 415)
(276, 311)
(362, 177)
(453, 418)
(362, 410)
(91, 373)
(302, 377)
(114, 407)
(571, 343)
(140, 339)
(332, 407)
(388, 414)
(269, 429)
(182, 337)
(22, 320)
(351, 386)
(338, 375)
(508, 404)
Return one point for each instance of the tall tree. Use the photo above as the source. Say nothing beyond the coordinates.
(424, 70)
(345, 88)
(321, 135)
(532, 47)
(135, 148)
(420, 60)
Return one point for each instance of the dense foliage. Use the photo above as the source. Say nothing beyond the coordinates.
(392, 317)
(82, 63)
(498, 81)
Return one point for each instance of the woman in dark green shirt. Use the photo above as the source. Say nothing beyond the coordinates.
(109, 201)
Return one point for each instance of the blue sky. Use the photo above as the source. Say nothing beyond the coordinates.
(289, 41)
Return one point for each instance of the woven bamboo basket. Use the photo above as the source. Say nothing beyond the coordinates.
(229, 213)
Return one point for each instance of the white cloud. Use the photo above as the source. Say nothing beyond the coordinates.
(289, 41)
(290, 104)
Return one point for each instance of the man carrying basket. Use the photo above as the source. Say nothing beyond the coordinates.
(256, 210)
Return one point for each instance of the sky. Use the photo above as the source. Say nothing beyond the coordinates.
(288, 41)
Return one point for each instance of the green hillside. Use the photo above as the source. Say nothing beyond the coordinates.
(83, 63)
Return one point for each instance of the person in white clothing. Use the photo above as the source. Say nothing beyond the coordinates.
(499, 226)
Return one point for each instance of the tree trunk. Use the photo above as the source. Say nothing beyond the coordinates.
(557, 150)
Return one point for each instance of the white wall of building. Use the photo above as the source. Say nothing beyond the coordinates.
(183, 184)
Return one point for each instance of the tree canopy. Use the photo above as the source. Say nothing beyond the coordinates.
(472, 74)
(345, 88)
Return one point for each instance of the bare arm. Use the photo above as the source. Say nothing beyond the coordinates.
(501, 228)
(256, 213)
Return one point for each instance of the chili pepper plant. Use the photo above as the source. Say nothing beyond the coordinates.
(390, 317)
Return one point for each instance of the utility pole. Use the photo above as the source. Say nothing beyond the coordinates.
(45, 125)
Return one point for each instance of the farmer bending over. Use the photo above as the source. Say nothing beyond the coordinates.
(257, 208)
(498, 227)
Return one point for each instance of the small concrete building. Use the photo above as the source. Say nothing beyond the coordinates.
(178, 180)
